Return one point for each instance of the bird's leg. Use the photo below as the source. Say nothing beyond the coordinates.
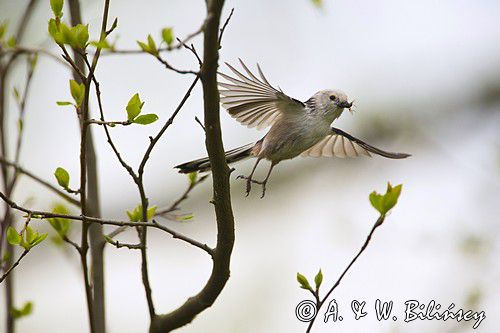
(249, 178)
(263, 183)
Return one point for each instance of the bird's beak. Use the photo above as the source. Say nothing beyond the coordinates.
(346, 105)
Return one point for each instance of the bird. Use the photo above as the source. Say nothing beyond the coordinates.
(297, 128)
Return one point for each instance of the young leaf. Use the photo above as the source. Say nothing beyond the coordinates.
(22, 312)
(152, 45)
(57, 6)
(30, 235)
(81, 33)
(304, 284)
(318, 279)
(53, 28)
(193, 177)
(102, 44)
(134, 107)
(146, 119)
(3, 29)
(39, 239)
(144, 46)
(63, 103)
(151, 212)
(13, 237)
(61, 225)
(62, 177)
(109, 239)
(11, 42)
(384, 203)
(167, 34)
(77, 91)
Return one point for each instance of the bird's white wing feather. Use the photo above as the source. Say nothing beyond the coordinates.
(341, 144)
(253, 101)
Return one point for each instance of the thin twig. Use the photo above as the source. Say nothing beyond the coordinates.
(319, 304)
(184, 196)
(172, 68)
(163, 49)
(119, 245)
(39, 180)
(224, 27)
(25, 252)
(38, 214)
(200, 123)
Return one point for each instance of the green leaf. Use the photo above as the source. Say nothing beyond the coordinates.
(109, 239)
(304, 284)
(384, 203)
(193, 177)
(167, 34)
(63, 103)
(61, 225)
(317, 3)
(144, 46)
(66, 35)
(53, 28)
(81, 33)
(11, 42)
(3, 29)
(77, 91)
(22, 312)
(6, 256)
(102, 44)
(318, 279)
(13, 237)
(151, 212)
(62, 177)
(152, 45)
(146, 119)
(39, 239)
(30, 235)
(134, 107)
(57, 6)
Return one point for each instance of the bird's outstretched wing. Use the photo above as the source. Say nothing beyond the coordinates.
(253, 101)
(341, 144)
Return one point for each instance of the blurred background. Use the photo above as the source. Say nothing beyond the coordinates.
(425, 78)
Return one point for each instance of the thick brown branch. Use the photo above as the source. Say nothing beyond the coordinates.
(221, 194)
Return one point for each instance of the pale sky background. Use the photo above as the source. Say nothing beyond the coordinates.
(417, 70)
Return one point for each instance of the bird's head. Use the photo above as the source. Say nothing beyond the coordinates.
(332, 101)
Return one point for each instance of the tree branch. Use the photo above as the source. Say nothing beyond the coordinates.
(221, 194)
(319, 304)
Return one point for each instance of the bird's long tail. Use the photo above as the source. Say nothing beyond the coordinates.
(203, 164)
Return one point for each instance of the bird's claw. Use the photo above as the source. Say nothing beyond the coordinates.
(249, 182)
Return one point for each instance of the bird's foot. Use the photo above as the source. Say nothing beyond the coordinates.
(249, 182)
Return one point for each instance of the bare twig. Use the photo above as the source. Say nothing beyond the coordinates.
(184, 196)
(4, 276)
(163, 49)
(39, 180)
(172, 68)
(319, 303)
(224, 27)
(119, 245)
(200, 123)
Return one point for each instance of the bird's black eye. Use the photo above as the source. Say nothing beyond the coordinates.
(332, 97)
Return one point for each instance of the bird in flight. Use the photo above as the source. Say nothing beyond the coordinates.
(297, 128)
